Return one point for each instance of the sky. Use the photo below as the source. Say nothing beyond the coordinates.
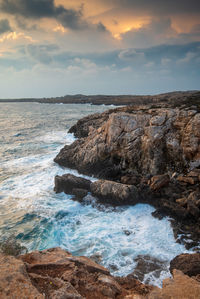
(51, 48)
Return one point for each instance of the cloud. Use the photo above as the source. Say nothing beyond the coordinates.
(156, 32)
(13, 36)
(5, 26)
(156, 7)
(37, 9)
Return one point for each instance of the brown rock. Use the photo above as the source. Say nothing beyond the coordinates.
(182, 201)
(147, 264)
(159, 181)
(130, 180)
(187, 180)
(140, 140)
(194, 173)
(14, 280)
(180, 287)
(56, 274)
(193, 209)
(79, 193)
(115, 193)
(68, 182)
(111, 283)
(189, 264)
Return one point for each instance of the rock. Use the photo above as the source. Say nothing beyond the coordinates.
(182, 202)
(194, 173)
(14, 280)
(130, 179)
(181, 286)
(89, 264)
(79, 193)
(114, 193)
(193, 209)
(187, 179)
(155, 148)
(66, 292)
(111, 283)
(159, 181)
(189, 264)
(138, 140)
(146, 265)
(68, 182)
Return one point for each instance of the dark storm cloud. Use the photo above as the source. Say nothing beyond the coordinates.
(4, 26)
(37, 9)
(101, 27)
(160, 6)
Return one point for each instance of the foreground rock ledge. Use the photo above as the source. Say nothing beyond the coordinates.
(56, 274)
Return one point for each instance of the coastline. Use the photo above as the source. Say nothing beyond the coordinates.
(114, 187)
(176, 97)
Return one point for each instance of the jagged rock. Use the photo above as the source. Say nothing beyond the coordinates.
(181, 286)
(189, 264)
(68, 182)
(57, 274)
(137, 145)
(14, 280)
(187, 180)
(79, 193)
(147, 141)
(182, 202)
(193, 209)
(130, 179)
(159, 181)
(114, 193)
(147, 264)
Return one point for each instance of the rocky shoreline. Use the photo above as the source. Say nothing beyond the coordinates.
(140, 154)
(144, 154)
(56, 274)
(176, 97)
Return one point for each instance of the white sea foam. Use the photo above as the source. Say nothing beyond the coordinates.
(30, 208)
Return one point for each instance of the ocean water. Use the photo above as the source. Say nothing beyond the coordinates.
(30, 137)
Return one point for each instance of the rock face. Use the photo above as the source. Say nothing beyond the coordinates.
(68, 182)
(181, 286)
(157, 150)
(148, 141)
(189, 264)
(15, 281)
(56, 274)
(114, 193)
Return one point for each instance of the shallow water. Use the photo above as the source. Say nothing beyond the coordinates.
(30, 137)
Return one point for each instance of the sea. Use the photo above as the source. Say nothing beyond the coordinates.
(31, 135)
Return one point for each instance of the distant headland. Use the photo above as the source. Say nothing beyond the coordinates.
(176, 97)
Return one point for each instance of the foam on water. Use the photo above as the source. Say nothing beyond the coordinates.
(41, 219)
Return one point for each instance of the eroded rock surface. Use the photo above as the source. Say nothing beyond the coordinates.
(189, 264)
(68, 182)
(180, 287)
(148, 141)
(114, 193)
(56, 274)
(154, 149)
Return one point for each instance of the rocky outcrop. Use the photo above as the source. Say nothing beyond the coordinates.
(69, 184)
(114, 193)
(148, 141)
(154, 149)
(15, 281)
(181, 286)
(56, 274)
(189, 264)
